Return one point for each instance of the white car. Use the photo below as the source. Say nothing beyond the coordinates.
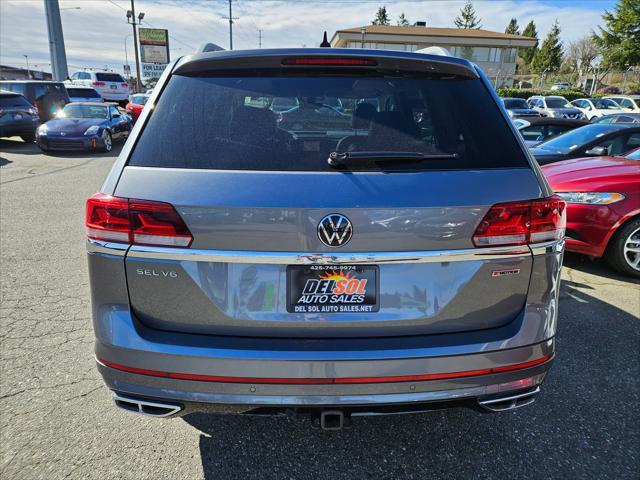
(559, 86)
(79, 93)
(631, 103)
(111, 86)
(597, 107)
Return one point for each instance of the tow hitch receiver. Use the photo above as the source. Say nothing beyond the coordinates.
(332, 420)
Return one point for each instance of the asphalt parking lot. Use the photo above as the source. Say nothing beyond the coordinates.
(57, 419)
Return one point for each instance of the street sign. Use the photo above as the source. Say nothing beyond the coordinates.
(127, 70)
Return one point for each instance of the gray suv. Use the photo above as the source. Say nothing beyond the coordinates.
(251, 261)
(555, 106)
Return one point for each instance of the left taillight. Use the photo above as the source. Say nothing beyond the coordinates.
(522, 223)
(137, 222)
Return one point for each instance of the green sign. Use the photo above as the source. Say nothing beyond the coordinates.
(153, 36)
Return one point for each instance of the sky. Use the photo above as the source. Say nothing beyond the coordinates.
(95, 33)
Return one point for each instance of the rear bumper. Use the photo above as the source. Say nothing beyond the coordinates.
(221, 396)
(17, 129)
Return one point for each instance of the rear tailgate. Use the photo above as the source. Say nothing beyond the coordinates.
(253, 186)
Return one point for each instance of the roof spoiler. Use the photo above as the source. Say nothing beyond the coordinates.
(209, 47)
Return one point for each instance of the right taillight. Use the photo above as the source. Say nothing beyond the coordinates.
(138, 222)
(521, 223)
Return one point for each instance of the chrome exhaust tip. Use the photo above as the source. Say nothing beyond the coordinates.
(145, 407)
(511, 402)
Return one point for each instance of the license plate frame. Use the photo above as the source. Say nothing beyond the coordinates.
(347, 294)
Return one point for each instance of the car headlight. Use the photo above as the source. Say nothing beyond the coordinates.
(92, 130)
(42, 129)
(592, 198)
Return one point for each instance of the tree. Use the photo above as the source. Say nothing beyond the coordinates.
(382, 17)
(620, 38)
(549, 57)
(513, 28)
(581, 55)
(402, 20)
(468, 17)
(527, 53)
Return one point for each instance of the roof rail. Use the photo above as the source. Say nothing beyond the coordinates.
(209, 47)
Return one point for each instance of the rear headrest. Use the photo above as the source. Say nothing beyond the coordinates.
(362, 115)
(387, 123)
(253, 122)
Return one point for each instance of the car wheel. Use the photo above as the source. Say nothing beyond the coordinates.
(107, 142)
(29, 137)
(623, 252)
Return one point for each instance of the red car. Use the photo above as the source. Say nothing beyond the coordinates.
(603, 207)
(136, 104)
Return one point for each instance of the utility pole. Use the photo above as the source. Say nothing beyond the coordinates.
(260, 40)
(231, 19)
(56, 40)
(131, 18)
(26, 57)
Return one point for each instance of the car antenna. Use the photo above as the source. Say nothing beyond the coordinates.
(325, 43)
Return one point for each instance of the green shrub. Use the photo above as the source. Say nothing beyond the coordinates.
(517, 93)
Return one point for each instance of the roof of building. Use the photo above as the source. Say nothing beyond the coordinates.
(434, 32)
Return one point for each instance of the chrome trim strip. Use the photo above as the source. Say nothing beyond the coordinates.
(299, 258)
(511, 397)
(107, 248)
(554, 246)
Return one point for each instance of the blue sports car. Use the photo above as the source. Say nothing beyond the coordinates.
(84, 126)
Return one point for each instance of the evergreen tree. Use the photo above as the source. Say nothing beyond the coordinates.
(513, 28)
(402, 20)
(382, 17)
(620, 39)
(549, 57)
(468, 17)
(527, 53)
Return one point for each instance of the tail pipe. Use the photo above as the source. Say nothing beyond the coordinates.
(510, 402)
(145, 407)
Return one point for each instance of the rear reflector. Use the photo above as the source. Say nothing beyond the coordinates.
(522, 223)
(325, 381)
(138, 222)
(324, 61)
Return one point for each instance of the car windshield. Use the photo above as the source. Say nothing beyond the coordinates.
(635, 154)
(76, 110)
(557, 102)
(83, 92)
(267, 122)
(515, 103)
(606, 104)
(139, 99)
(109, 77)
(578, 137)
(13, 101)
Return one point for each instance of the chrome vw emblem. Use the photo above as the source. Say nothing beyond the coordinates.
(335, 230)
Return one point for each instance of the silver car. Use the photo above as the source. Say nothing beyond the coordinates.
(555, 106)
(403, 260)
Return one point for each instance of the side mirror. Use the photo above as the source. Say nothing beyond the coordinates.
(597, 151)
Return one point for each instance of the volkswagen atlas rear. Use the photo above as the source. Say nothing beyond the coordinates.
(399, 255)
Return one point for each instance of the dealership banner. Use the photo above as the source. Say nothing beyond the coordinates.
(154, 51)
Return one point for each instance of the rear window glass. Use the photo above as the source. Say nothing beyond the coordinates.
(13, 101)
(139, 99)
(295, 123)
(109, 77)
(83, 92)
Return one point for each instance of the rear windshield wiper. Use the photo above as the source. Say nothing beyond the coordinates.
(337, 159)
